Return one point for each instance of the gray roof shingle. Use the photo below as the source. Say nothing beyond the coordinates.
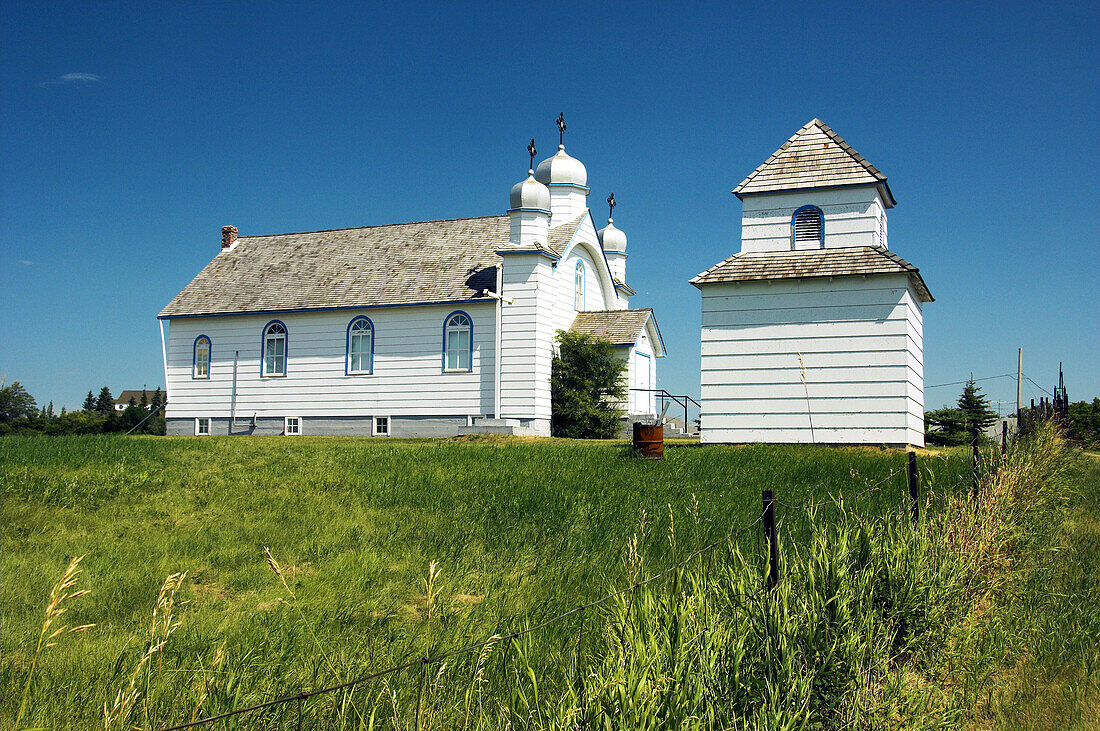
(620, 327)
(406, 263)
(850, 261)
(814, 157)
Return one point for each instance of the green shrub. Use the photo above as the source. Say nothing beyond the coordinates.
(586, 388)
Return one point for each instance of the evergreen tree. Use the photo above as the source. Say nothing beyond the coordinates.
(132, 401)
(104, 403)
(157, 399)
(16, 403)
(586, 387)
(144, 398)
(49, 411)
(89, 402)
(975, 407)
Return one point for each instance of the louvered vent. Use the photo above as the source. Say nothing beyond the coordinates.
(807, 229)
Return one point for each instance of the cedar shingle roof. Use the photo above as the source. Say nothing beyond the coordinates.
(814, 157)
(406, 263)
(620, 327)
(850, 261)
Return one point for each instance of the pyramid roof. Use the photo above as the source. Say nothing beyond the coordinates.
(814, 157)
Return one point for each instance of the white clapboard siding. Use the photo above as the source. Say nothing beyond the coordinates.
(408, 377)
(526, 332)
(852, 217)
(861, 348)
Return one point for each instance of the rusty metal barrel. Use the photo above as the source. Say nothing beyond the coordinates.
(649, 440)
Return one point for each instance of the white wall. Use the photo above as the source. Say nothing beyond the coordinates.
(407, 379)
(851, 216)
(527, 337)
(859, 339)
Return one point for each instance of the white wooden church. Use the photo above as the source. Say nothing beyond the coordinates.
(813, 332)
(434, 328)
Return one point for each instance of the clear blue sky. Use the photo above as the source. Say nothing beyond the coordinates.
(130, 133)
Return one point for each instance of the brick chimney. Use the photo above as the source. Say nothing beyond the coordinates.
(229, 237)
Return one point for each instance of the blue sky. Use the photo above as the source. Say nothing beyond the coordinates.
(130, 133)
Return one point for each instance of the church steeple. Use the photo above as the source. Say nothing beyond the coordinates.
(613, 242)
(529, 208)
(567, 179)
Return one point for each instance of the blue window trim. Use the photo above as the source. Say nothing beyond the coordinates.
(446, 322)
(821, 217)
(649, 371)
(195, 357)
(347, 348)
(578, 294)
(286, 350)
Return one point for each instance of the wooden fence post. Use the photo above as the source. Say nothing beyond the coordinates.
(773, 539)
(1004, 436)
(975, 470)
(914, 488)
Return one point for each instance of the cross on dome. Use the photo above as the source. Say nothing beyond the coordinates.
(610, 205)
(532, 152)
(561, 128)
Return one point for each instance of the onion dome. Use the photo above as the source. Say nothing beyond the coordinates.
(561, 169)
(529, 194)
(612, 239)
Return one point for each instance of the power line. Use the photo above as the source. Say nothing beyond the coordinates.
(987, 378)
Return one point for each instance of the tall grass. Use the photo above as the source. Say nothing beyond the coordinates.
(506, 534)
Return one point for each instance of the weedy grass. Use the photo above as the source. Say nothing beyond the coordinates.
(385, 551)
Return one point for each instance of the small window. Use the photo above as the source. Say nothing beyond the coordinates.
(808, 228)
(292, 426)
(381, 426)
(457, 342)
(202, 427)
(274, 355)
(578, 287)
(201, 358)
(360, 346)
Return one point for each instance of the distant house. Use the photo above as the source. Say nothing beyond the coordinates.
(123, 399)
(814, 331)
(432, 328)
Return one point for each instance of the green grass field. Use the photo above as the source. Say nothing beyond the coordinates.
(520, 531)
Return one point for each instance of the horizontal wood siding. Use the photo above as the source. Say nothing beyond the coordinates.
(526, 329)
(407, 378)
(851, 216)
(858, 342)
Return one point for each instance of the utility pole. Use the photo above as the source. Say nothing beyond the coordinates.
(1019, 380)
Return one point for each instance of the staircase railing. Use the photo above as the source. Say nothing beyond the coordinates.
(682, 400)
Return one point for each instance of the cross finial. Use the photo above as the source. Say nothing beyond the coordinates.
(532, 152)
(561, 128)
(610, 205)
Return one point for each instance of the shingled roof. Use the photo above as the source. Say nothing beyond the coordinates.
(619, 327)
(398, 264)
(814, 157)
(849, 261)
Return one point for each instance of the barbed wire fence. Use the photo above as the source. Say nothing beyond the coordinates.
(770, 533)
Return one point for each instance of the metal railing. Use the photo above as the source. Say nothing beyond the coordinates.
(682, 400)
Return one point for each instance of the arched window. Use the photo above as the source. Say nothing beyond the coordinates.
(201, 358)
(360, 346)
(275, 349)
(808, 228)
(458, 342)
(578, 287)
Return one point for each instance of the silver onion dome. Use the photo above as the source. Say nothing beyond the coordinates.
(562, 169)
(612, 239)
(529, 193)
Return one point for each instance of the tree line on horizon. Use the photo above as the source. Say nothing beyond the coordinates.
(20, 414)
(972, 415)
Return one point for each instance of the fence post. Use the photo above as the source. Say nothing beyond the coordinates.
(419, 692)
(773, 539)
(914, 488)
(975, 469)
(580, 671)
(1004, 436)
(508, 683)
